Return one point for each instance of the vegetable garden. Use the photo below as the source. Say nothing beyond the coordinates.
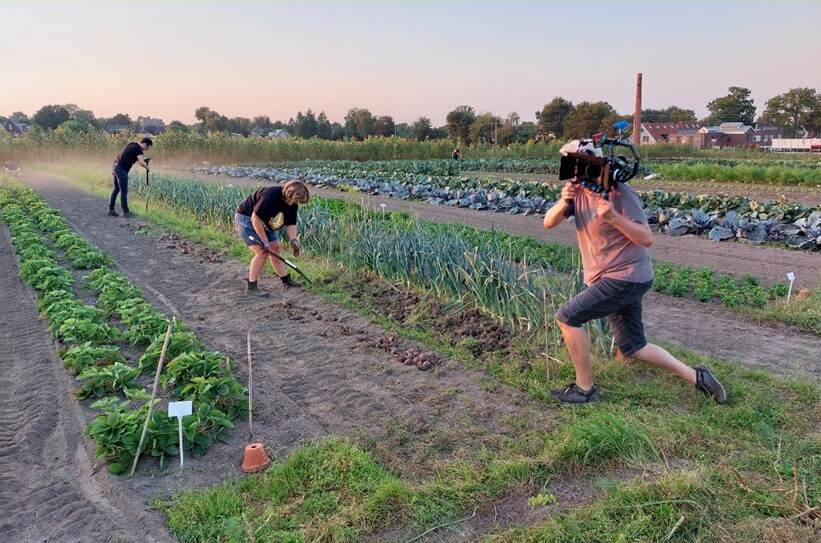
(343, 490)
(718, 217)
(94, 339)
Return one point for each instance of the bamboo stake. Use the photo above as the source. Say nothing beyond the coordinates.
(546, 335)
(250, 387)
(151, 401)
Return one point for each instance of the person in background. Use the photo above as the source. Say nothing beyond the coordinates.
(456, 154)
(131, 153)
(257, 220)
(614, 242)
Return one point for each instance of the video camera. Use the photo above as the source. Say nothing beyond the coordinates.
(596, 171)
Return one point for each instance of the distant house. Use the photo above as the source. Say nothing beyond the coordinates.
(151, 125)
(272, 134)
(686, 133)
(734, 134)
(763, 136)
(15, 129)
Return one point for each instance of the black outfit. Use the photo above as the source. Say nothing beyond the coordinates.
(267, 203)
(122, 165)
(620, 302)
(128, 156)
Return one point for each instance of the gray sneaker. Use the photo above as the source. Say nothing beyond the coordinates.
(573, 394)
(707, 383)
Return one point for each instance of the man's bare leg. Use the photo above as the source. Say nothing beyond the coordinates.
(579, 346)
(656, 356)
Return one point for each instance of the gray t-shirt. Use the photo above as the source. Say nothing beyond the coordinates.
(606, 252)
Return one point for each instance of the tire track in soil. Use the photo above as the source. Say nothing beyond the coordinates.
(704, 328)
(49, 490)
(313, 372)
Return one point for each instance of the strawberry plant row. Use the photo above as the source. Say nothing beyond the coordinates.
(89, 338)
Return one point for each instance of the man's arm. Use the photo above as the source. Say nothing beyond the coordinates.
(638, 233)
(141, 162)
(556, 214)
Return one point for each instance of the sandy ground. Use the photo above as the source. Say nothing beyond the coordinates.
(737, 258)
(49, 490)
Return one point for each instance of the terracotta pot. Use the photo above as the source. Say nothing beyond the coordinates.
(255, 458)
(803, 293)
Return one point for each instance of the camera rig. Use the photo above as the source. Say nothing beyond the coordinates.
(600, 173)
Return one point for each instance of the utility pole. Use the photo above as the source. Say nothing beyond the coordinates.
(637, 113)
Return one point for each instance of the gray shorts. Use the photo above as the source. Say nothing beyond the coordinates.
(245, 228)
(619, 301)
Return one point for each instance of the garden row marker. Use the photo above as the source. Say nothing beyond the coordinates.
(179, 410)
(151, 401)
(250, 388)
(791, 278)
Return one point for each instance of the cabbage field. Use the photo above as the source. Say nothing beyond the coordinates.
(718, 217)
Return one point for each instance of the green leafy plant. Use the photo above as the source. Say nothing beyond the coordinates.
(188, 365)
(80, 357)
(99, 381)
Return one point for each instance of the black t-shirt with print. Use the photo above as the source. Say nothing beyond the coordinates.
(267, 203)
(128, 156)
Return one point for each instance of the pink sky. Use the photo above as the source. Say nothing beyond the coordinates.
(398, 58)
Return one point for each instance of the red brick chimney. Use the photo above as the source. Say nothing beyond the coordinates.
(637, 114)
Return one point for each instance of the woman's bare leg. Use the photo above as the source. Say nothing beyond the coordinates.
(279, 267)
(256, 263)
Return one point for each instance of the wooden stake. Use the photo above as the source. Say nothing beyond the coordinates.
(151, 401)
(546, 335)
(250, 387)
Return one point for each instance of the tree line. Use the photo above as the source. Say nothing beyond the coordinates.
(797, 112)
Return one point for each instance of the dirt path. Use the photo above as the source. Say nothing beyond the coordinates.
(48, 488)
(807, 195)
(769, 263)
(314, 372)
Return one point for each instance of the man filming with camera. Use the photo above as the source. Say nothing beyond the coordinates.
(614, 241)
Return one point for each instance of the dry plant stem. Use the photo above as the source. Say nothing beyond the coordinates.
(675, 527)
(151, 401)
(546, 335)
(420, 536)
(250, 387)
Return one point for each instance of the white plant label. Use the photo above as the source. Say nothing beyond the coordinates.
(791, 277)
(179, 410)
